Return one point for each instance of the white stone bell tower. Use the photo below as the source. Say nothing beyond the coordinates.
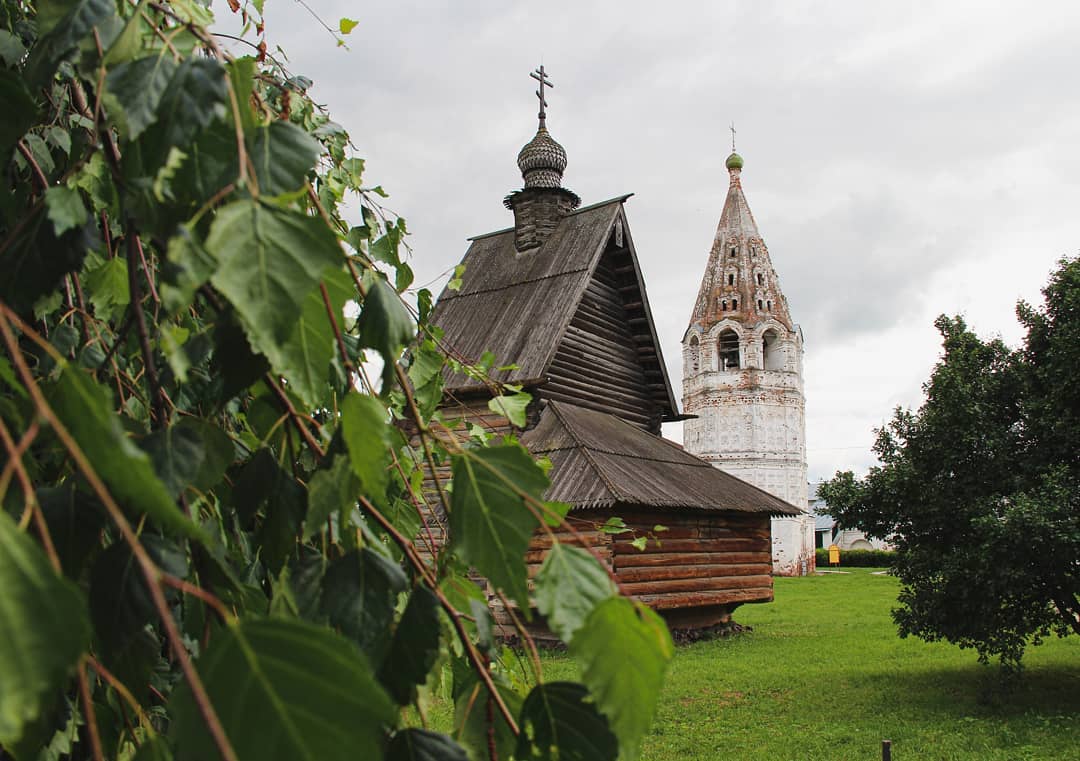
(742, 376)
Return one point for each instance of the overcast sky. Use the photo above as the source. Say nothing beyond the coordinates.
(902, 159)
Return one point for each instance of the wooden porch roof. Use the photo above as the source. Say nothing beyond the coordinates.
(599, 460)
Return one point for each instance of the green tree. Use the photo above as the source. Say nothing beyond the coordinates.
(214, 534)
(980, 489)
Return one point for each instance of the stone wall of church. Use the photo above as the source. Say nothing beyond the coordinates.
(793, 545)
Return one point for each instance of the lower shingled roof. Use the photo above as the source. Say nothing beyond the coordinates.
(599, 460)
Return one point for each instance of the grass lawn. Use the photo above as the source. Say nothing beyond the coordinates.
(824, 676)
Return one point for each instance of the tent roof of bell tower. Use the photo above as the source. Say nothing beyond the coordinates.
(739, 281)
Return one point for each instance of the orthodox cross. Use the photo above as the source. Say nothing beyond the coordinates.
(732, 137)
(541, 76)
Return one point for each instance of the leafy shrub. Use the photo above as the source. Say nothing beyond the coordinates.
(859, 558)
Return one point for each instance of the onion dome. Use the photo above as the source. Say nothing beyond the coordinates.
(734, 161)
(542, 161)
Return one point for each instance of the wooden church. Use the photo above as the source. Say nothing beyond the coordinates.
(560, 297)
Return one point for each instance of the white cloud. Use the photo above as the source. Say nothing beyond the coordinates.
(901, 160)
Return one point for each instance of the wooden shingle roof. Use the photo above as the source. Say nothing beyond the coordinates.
(601, 461)
(518, 305)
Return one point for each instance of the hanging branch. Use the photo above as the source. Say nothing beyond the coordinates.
(89, 712)
(474, 656)
(296, 418)
(151, 573)
(15, 453)
(158, 415)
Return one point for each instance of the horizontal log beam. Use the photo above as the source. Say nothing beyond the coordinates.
(597, 371)
(698, 585)
(612, 347)
(570, 360)
(702, 533)
(734, 544)
(641, 403)
(600, 403)
(642, 520)
(595, 347)
(595, 305)
(591, 539)
(695, 599)
(720, 527)
(669, 572)
(647, 560)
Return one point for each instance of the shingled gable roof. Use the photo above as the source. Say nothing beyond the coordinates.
(518, 305)
(600, 461)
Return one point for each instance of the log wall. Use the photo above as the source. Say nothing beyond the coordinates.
(694, 574)
(597, 364)
(699, 570)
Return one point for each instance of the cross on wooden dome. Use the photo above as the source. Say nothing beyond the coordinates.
(541, 76)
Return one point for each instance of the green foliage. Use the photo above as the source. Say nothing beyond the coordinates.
(65, 209)
(135, 89)
(625, 649)
(491, 522)
(283, 154)
(284, 672)
(413, 649)
(206, 502)
(358, 595)
(190, 454)
(980, 489)
(473, 705)
(268, 260)
(560, 723)
(422, 745)
(83, 407)
(512, 407)
(364, 429)
(570, 584)
(45, 630)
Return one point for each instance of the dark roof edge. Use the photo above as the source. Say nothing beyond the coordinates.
(478, 388)
(673, 404)
(617, 503)
(590, 207)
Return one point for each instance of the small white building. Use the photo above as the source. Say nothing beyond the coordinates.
(743, 376)
(828, 531)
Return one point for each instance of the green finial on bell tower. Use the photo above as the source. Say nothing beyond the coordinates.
(734, 161)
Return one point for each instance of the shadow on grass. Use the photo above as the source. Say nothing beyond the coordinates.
(978, 690)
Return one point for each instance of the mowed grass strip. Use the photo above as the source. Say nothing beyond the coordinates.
(825, 676)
